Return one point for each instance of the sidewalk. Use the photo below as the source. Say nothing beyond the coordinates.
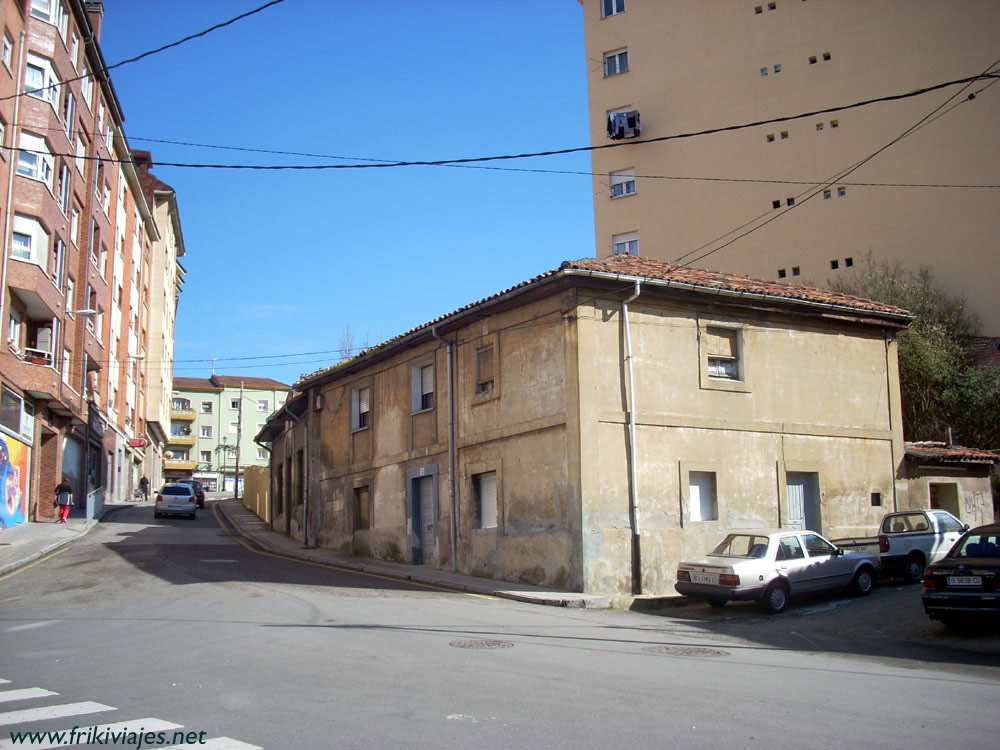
(27, 542)
(249, 526)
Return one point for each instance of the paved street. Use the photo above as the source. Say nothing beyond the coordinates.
(177, 624)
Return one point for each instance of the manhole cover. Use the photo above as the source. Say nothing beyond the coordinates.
(481, 644)
(685, 651)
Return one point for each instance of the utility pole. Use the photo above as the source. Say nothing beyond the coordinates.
(239, 437)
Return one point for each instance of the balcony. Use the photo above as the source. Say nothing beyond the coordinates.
(187, 415)
(181, 464)
(182, 440)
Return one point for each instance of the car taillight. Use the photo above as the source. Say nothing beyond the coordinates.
(159, 498)
(729, 579)
(683, 575)
(191, 499)
(883, 544)
(929, 582)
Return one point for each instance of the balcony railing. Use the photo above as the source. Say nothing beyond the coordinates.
(37, 356)
(180, 463)
(182, 440)
(185, 414)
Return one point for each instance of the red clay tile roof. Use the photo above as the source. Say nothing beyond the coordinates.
(630, 267)
(194, 384)
(218, 382)
(950, 453)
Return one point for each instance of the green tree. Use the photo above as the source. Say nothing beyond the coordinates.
(941, 386)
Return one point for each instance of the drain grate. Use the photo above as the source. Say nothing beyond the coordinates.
(481, 644)
(685, 651)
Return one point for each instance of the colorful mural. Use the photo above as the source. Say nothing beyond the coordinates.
(13, 481)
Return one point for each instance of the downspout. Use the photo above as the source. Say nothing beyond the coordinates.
(14, 137)
(452, 502)
(630, 453)
(305, 479)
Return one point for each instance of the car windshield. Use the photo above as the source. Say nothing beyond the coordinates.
(742, 545)
(176, 490)
(978, 545)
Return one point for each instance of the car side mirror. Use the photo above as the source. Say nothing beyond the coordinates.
(839, 551)
(965, 527)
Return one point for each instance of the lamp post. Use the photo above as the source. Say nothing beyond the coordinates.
(225, 452)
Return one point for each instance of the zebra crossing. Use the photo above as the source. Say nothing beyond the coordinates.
(18, 726)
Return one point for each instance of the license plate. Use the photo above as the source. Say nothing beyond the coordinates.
(965, 580)
(704, 578)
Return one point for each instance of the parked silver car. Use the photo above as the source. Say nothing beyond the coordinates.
(770, 566)
(175, 500)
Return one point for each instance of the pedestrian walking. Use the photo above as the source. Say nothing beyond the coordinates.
(64, 499)
(144, 487)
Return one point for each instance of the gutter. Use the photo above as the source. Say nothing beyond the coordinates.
(452, 500)
(633, 501)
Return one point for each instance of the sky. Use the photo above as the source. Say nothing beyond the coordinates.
(282, 264)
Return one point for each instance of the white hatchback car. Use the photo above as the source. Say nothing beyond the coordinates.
(176, 500)
(771, 565)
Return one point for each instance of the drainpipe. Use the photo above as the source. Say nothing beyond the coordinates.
(305, 479)
(630, 417)
(452, 502)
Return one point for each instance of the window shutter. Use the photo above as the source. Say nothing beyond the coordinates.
(484, 364)
(488, 500)
(721, 342)
(363, 400)
(426, 380)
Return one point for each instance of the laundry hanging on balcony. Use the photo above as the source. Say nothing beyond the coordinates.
(623, 125)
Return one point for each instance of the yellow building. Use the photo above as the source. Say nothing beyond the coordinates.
(592, 426)
(779, 200)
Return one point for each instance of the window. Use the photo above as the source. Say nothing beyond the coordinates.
(834, 123)
(14, 328)
(205, 457)
(790, 549)
(360, 408)
(207, 407)
(763, 72)
(86, 84)
(63, 187)
(57, 260)
(789, 201)
(876, 499)
(704, 505)
(40, 80)
(627, 243)
(8, 49)
(826, 194)
(946, 522)
(81, 154)
(796, 271)
(74, 50)
(776, 204)
(827, 56)
(264, 405)
(484, 500)
(485, 375)
(206, 431)
(422, 387)
(30, 241)
(34, 158)
(612, 7)
(65, 366)
(623, 183)
(777, 67)
(234, 403)
(262, 454)
(234, 428)
(769, 137)
(848, 262)
(841, 192)
(782, 273)
(722, 345)
(819, 126)
(784, 135)
(812, 59)
(15, 414)
(817, 546)
(362, 508)
(69, 293)
(834, 265)
(615, 62)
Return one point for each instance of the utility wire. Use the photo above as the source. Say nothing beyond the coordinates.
(104, 70)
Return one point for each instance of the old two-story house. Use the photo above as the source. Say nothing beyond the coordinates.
(592, 426)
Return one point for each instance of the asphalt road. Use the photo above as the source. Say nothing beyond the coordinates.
(176, 622)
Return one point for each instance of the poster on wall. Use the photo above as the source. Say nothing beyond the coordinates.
(13, 481)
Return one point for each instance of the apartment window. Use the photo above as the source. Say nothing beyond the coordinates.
(3, 139)
(819, 126)
(789, 201)
(848, 262)
(8, 49)
(86, 85)
(62, 187)
(74, 50)
(422, 387)
(57, 260)
(777, 67)
(826, 194)
(65, 366)
(484, 500)
(34, 158)
(206, 457)
(69, 293)
(612, 7)
(616, 62)
(796, 271)
(704, 504)
(841, 192)
(485, 374)
(81, 154)
(362, 508)
(207, 407)
(827, 56)
(758, 10)
(16, 414)
(360, 408)
(625, 243)
(100, 117)
(264, 405)
(784, 135)
(40, 80)
(206, 431)
(834, 265)
(876, 499)
(723, 348)
(623, 183)
(30, 241)
(776, 204)
(763, 72)
(14, 327)
(834, 123)
(234, 403)
(262, 454)
(106, 199)
(782, 273)
(234, 428)
(772, 6)
(812, 59)
(769, 137)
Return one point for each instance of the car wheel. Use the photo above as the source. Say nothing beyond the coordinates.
(914, 570)
(717, 603)
(775, 598)
(864, 582)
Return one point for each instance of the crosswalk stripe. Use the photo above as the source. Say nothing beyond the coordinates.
(215, 743)
(146, 725)
(23, 694)
(52, 712)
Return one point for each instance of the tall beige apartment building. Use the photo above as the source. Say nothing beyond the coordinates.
(778, 200)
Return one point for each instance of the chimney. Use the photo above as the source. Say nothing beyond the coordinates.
(95, 14)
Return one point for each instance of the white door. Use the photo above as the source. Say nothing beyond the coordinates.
(796, 493)
(425, 488)
(803, 501)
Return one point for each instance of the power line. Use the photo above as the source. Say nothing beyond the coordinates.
(143, 55)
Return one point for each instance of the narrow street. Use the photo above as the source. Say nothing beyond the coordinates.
(173, 624)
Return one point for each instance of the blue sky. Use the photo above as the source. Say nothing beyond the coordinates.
(282, 262)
